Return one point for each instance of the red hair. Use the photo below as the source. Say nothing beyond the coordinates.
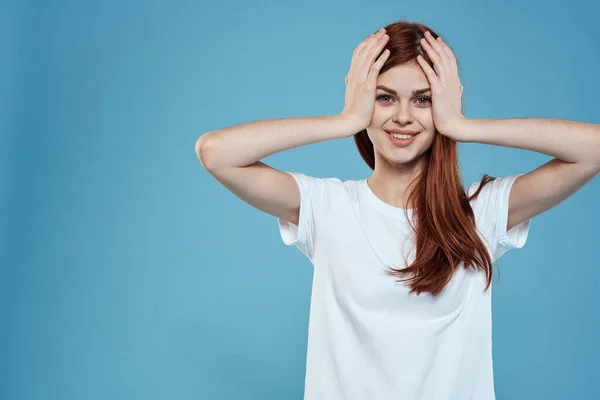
(446, 233)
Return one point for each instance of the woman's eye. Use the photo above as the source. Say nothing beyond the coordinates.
(386, 99)
(425, 98)
(382, 96)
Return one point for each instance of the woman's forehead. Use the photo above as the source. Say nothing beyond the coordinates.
(404, 79)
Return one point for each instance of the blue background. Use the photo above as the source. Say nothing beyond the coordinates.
(128, 272)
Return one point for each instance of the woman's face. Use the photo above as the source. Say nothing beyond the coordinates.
(398, 107)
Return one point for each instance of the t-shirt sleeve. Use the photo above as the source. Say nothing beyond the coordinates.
(314, 197)
(491, 214)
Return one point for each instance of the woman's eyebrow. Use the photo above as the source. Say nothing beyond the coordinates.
(392, 91)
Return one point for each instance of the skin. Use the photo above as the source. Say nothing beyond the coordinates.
(533, 193)
(395, 167)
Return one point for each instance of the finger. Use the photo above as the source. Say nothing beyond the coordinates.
(430, 73)
(435, 57)
(368, 40)
(434, 44)
(374, 73)
(450, 57)
(445, 47)
(357, 64)
(358, 54)
(368, 44)
(430, 51)
(367, 60)
(375, 49)
(443, 63)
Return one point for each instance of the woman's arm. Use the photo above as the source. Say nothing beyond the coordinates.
(570, 141)
(243, 145)
(232, 155)
(575, 146)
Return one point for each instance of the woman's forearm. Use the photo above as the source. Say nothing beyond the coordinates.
(242, 145)
(570, 141)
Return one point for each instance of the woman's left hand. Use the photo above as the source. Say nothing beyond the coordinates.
(446, 88)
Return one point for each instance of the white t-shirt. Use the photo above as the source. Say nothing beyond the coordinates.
(367, 337)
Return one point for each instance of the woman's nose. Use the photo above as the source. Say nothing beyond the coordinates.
(403, 114)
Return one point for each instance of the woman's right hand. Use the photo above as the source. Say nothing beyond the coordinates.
(361, 80)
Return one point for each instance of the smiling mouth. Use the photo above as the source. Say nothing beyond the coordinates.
(402, 134)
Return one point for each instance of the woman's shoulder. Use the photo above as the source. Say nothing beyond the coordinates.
(325, 183)
(491, 185)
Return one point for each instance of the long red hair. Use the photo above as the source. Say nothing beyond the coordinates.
(445, 229)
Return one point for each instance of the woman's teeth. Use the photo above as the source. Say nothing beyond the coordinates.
(398, 136)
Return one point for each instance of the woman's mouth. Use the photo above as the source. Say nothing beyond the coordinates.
(401, 140)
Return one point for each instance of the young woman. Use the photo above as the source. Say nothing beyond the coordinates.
(401, 300)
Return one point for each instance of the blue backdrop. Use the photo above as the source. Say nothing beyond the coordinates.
(128, 272)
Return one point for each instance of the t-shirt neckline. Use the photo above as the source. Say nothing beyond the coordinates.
(379, 204)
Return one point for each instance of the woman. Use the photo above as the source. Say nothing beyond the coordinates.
(401, 301)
